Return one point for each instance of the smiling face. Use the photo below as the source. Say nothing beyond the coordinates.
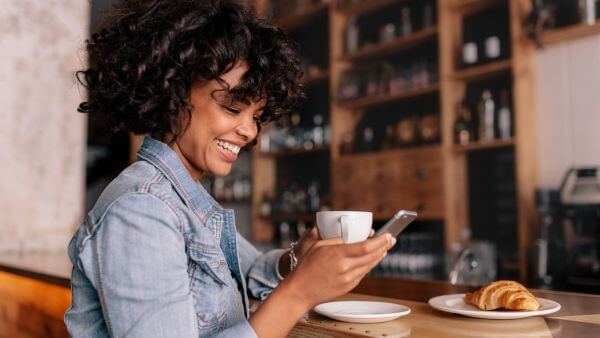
(218, 128)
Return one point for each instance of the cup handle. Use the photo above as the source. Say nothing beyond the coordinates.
(345, 223)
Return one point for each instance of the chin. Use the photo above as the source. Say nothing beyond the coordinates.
(221, 170)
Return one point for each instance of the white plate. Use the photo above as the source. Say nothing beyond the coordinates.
(362, 311)
(455, 304)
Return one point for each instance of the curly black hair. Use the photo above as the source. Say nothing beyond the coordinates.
(146, 55)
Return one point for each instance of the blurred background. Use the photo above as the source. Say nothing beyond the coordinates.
(481, 115)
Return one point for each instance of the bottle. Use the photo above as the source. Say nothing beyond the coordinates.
(368, 136)
(406, 131)
(492, 43)
(285, 236)
(265, 206)
(318, 133)
(347, 146)
(219, 188)
(587, 11)
(238, 188)
(387, 32)
(372, 87)
(504, 117)
(390, 138)
(314, 200)
(462, 127)
(352, 36)
(428, 15)
(429, 128)
(247, 182)
(405, 21)
(470, 50)
(487, 111)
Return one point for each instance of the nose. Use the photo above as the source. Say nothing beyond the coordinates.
(247, 127)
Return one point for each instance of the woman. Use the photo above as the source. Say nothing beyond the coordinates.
(157, 256)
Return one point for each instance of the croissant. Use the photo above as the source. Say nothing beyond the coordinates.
(505, 294)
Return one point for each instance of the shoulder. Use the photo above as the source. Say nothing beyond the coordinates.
(140, 188)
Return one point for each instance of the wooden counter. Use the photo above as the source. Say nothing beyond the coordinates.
(578, 317)
(34, 295)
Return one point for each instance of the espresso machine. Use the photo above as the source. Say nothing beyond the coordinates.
(567, 254)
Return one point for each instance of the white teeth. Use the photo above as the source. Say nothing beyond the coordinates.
(228, 146)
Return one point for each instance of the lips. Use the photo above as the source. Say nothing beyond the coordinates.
(226, 154)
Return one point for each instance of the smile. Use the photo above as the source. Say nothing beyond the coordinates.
(228, 146)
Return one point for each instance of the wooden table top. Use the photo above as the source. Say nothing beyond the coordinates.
(578, 317)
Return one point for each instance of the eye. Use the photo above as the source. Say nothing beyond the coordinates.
(231, 110)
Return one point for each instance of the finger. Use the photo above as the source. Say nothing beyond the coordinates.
(361, 271)
(330, 241)
(369, 245)
(371, 233)
(365, 260)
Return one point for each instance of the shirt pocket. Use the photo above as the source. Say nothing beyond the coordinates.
(208, 275)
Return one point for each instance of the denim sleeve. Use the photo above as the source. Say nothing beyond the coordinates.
(258, 268)
(140, 267)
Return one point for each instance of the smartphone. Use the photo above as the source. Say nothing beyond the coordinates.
(397, 223)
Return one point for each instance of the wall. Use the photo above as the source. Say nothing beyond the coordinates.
(569, 108)
(42, 137)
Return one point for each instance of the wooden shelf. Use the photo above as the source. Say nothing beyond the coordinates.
(295, 21)
(363, 7)
(399, 44)
(374, 101)
(294, 152)
(316, 77)
(398, 151)
(468, 7)
(485, 145)
(483, 72)
(567, 33)
(291, 217)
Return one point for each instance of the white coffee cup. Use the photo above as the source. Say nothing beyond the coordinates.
(352, 226)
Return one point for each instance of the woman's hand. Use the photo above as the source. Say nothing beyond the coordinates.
(330, 268)
(306, 241)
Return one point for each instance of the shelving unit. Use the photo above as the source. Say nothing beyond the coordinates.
(576, 31)
(520, 71)
(484, 145)
(293, 152)
(374, 101)
(483, 72)
(269, 167)
(365, 7)
(319, 76)
(397, 45)
(433, 178)
(294, 21)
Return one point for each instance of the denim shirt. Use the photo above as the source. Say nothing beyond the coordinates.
(158, 257)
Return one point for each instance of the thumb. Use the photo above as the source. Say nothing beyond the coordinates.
(314, 233)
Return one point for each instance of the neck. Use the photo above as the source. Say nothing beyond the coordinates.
(192, 170)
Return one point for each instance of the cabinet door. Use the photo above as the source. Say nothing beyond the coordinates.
(352, 184)
(389, 195)
(426, 175)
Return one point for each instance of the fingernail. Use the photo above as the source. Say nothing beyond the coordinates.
(384, 253)
(388, 237)
(393, 241)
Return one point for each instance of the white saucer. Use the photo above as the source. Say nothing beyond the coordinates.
(362, 311)
(455, 304)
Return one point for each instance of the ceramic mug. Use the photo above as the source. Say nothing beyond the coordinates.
(352, 226)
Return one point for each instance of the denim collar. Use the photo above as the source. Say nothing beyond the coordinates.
(168, 162)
